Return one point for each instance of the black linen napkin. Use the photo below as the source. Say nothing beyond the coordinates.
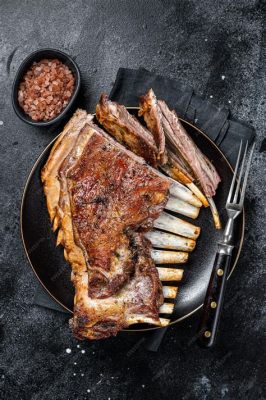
(214, 121)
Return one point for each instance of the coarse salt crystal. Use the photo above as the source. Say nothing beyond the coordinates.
(38, 81)
(68, 351)
(83, 351)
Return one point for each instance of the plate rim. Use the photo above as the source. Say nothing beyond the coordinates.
(58, 301)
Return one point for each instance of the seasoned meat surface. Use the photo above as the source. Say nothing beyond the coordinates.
(111, 195)
(152, 115)
(103, 198)
(178, 138)
(137, 301)
(126, 129)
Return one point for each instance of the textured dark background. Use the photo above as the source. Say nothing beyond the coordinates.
(197, 42)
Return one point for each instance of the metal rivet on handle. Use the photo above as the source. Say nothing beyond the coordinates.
(213, 304)
(207, 334)
(220, 272)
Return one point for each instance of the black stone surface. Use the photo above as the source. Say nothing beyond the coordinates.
(199, 43)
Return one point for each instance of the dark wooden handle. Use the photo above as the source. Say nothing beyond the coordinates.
(213, 301)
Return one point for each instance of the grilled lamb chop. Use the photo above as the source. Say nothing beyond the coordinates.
(187, 149)
(202, 168)
(116, 119)
(152, 115)
(171, 162)
(103, 198)
(112, 195)
(185, 161)
(126, 129)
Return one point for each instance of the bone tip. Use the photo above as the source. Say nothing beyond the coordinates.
(165, 321)
(217, 223)
(197, 231)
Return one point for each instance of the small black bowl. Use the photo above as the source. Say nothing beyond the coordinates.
(25, 65)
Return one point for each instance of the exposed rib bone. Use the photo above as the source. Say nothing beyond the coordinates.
(169, 257)
(146, 320)
(179, 174)
(178, 168)
(181, 207)
(215, 214)
(164, 321)
(176, 225)
(164, 240)
(175, 173)
(170, 274)
(198, 193)
(166, 308)
(184, 193)
(170, 292)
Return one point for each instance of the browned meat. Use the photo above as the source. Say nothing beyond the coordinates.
(178, 138)
(152, 115)
(111, 196)
(138, 301)
(105, 198)
(126, 129)
(117, 119)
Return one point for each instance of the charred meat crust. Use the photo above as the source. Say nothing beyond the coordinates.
(177, 137)
(126, 129)
(152, 115)
(131, 200)
(92, 178)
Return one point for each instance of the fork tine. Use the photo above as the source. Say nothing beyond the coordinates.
(235, 173)
(240, 174)
(246, 175)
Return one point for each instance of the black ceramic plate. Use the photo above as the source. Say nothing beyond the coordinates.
(53, 272)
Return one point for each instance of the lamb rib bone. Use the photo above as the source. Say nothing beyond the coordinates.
(179, 206)
(170, 274)
(169, 257)
(169, 223)
(170, 292)
(164, 240)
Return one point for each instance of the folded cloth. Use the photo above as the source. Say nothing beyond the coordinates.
(215, 121)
